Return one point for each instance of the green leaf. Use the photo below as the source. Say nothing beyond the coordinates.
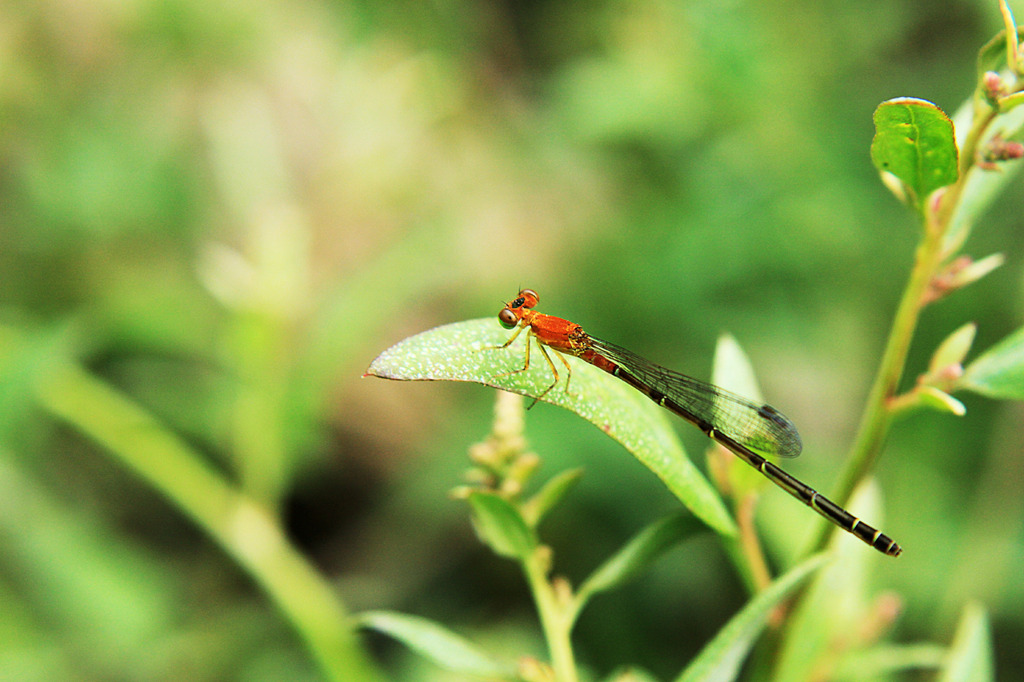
(999, 371)
(953, 349)
(970, 655)
(732, 370)
(938, 399)
(992, 57)
(720, 659)
(550, 494)
(465, 351)
(501, 526)
(637, 554)
(914, 141)
(981, 187)
(435, 642)
(882, 661)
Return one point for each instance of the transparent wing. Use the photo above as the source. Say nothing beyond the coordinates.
(757, 426)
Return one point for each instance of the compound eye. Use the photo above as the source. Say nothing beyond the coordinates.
(531, 297)
(508, 319)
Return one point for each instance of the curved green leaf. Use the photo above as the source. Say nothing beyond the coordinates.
(884, 661)
(720, 659)
(982, 187)
(550, 494)
(914, 141)
(992, 56)
(732, 370)
(501, 526)
(999, 371)
(434, 641)
(465, 351)
(953, 349)
(939, 400)
(637, 554)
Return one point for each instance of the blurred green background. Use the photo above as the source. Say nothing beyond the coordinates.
(226, 210)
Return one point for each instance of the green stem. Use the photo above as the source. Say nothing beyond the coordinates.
(245, 529)
(878, 415)
(555, 616)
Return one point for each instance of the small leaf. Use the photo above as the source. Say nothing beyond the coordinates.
(465, 351)
(1011, 102)
(435, 642)
(720, 659)
(954, 349)
(914, 141)
(970, 655)
(637, 554)
(999, 371)
(977, 269)
(733, 371)
(550, 494)
(883, 661)
(993, 56)
(501, 526)
(981, 187)
(940, 400)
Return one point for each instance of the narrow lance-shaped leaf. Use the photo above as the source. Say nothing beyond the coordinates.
(884, 661)
(435, 642)
(720, 659)
(637, 555)
(982, 187)
(999, 371)
(914, 141)
(992, 56)
(501, 526)
(550, 494)
(733, 371)
(953, 349)
(465, 351)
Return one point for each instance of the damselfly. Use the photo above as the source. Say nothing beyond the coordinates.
(750, 430)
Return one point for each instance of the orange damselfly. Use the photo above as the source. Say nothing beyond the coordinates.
(750, 430)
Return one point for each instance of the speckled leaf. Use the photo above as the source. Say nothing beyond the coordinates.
(465, 351)
(914, 141)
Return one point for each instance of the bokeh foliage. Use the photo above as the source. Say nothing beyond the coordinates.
(224, 211)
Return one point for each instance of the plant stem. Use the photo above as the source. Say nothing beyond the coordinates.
(877, 416)
(555, 616)
(756, 566)
(929, 257)
(246, 530)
